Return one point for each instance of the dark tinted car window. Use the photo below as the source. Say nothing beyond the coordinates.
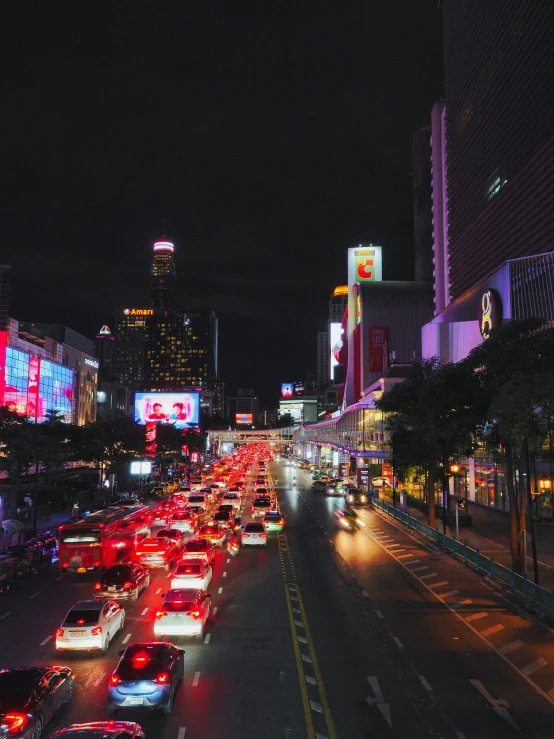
(177, 606)
(196, 546)
(254, 528)
(141, 661)
(82, 618)
(115, 574)
(188, 569)
(16, 687)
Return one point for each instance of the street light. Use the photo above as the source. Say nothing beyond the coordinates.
(545, 485)
(454, 468)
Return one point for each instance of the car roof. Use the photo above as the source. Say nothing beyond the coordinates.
(186, 593)
(86, 605)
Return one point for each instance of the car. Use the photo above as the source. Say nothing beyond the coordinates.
(260, 506)
(233, 498)
(154, 552)
(212, 532)
(147, 675)
(185, 520)
(195, 484)
(192, 573)
(334, 488)
(253, 535)
(228, 508)
(319, 486)
(201, 548)
(90, 624)
(101, 730)
(273, 521)
(161, 516)
(178, 499)
(380, 482)
(198, 500)
(209, 494)
(261, 490)
(184, 612)
(123, 581)
(355, 496)
(225, 519)
(30, 697)
(175, 534)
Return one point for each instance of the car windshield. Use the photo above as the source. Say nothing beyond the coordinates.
(82, 617)
(171, 533)
(195, 546)
(272, 516)
(80, 536)
(254, 528)
(196, 498)
(188, 568)
(262, 502)
(117, 573)
(16, 686)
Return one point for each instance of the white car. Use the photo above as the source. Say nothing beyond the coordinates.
(191, 573)
(253, 535)
(90, 624)
(197, 500)
(233, 497)
(184, 612)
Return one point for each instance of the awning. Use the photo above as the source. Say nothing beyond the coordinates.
(11, 526)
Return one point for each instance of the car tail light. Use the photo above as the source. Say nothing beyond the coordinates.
(80, 621)
(163, 678)
(15, 721)
(98, 586)
(115, 679)
(194, 614)
(159, 614)
(59, 632)
(246, 536)
(96, 631)
(127, 585)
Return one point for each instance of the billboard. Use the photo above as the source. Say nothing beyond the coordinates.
(378, 337)
(335, 342)
(294, 409)
(244, 418)
(298, 388)
(368, 263)
(181, 410)
(287, 389)
(141, 468)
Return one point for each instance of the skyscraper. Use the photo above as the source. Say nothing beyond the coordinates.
(162, 276)
(423, 216)
(499, 134)
(130, 325)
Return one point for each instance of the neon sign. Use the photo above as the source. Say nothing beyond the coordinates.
(138, 311)
(491, 312)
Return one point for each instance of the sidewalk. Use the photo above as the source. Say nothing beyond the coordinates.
(490, 535)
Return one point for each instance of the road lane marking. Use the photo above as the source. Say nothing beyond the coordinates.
(438, 584)
(413, 562)
(207, 639)
(34, 595)
(158, 591)
(311, 680)
(512, 646)
(475, 616)
(99, 680)
(307, 658)
(379, 614)
(220, 590)
(58, 578)
(534, 666)
(418, 569)
(492, 630)
(224, 574)
(391, 546)
(398, 643)
(378, 700)
(5, 615)
(302, 639)
(182, 732)
(425, 683)
(466, 602)
(296, 610)
(214, 610)
(228, 561)
(126, 639)
(299, 623)
(426, 577)
(316, 706)
(450, 592)
(498, 705)
(45, 641)
(398, 550)
(144, 612)
(196, 679)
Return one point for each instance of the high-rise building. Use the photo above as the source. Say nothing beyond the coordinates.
(163, 276)
(113, 398)
(499, 134)
(5, 281)
(338, 304)
(323, 360)
(105, 352)
(130, 326)
(245, 408)
(423, 216)
(439, 206)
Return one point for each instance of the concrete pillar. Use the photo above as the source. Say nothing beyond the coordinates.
(471, 478)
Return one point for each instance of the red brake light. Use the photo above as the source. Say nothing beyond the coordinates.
(96, 631)
(80, 621)
(162, 678)
(59, 632)
(195, 614)
(178, 602)
(127, 585)
(98, 586)
(114, 679)
(16, 721)
(159, 614)
(140, 660)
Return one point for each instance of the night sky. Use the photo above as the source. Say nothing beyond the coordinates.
(270, 135)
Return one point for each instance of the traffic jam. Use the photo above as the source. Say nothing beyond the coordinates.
(123, 551)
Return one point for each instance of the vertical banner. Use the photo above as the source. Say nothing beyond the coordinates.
(3, 345)
(150, 446)
(33, 388)
(378, 339)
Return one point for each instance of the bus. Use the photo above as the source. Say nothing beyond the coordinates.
(103, 538)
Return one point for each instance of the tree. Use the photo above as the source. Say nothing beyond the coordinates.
(284, 420)
(18, 442)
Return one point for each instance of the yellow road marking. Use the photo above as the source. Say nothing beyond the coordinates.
(300, 668)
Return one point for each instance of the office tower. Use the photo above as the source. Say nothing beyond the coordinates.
(130, 326)
(423, 216)
(246, 408)
(323, 360)
(162, 276)
(439, 205)
(338, 304)
(499, 134)
(5, 282)
(105, 352)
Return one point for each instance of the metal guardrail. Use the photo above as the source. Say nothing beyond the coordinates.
(473, 558)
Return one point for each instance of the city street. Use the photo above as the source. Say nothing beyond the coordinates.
(326, 633)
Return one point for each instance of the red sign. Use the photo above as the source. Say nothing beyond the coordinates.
(150, 446)
(194, 457)
(378, 338)
(3, 344)
(32, 387)
(184, 449)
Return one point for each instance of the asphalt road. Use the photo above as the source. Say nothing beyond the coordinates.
(324, 634)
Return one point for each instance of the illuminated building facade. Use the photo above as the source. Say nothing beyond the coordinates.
(162, 276)
(130, 325)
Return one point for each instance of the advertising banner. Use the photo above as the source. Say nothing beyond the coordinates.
(245, 419)
(181, 410)
(287, 389)
(3, 345)
(141, 468)
(378, 338)
(335, 342)
(368, 264)
(298, 388)
(33, 387)
(150, 445)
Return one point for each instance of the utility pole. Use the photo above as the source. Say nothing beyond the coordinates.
(531, 517)
(393, 473)
(444, 487)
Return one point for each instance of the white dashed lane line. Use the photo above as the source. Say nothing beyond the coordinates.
(207, 638)
(438, 584)
(425, 683)
(492, 630)
(45, 641)
(220, 590)
(144, 612)
(5, 615)
(34, 595)
(126, 639)
(475, 616)
(214, 611)
(426, 577)
(196, 679)
(511, 647)
(534, 666)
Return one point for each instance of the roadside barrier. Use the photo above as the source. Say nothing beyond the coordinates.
(473, 558)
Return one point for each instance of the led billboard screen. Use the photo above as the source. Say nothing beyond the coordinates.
(181, 410)
(298, 388)
(287, 389)
(335, 342)
(244, 418)
(295, 411)
(141, 468)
